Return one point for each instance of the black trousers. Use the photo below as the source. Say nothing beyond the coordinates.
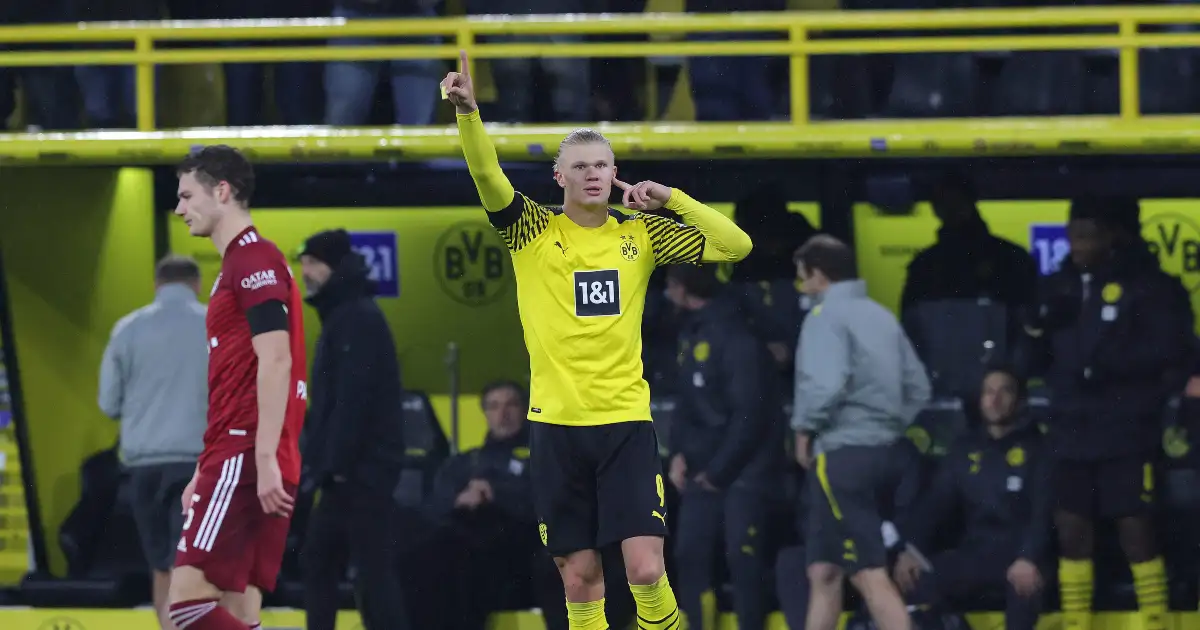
(965, 574)
(738, 517)
(357, 527)
(467, 566)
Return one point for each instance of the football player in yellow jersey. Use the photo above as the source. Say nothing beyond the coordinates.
(582, 270)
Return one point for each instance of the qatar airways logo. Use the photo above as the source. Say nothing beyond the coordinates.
(259, 279)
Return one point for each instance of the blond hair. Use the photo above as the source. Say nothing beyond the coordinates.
(580, 137)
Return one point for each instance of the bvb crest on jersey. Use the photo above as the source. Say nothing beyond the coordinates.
(629, 249)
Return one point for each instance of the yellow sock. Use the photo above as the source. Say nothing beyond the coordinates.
(656, 607)
(1150, 584)
(1075, 582)
(586, 615)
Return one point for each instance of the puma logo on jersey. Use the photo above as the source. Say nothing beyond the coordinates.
(560, 246)
(259, 279)
(660, 517)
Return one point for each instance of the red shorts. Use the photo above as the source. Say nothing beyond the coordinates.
(226, 534)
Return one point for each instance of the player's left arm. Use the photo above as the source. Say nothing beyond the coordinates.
(263, 286)
(704, 236)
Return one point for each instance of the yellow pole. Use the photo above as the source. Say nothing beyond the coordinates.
(799, 76)
(1128, 69)
(145, 84)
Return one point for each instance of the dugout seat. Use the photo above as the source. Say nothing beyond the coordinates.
(425, 448)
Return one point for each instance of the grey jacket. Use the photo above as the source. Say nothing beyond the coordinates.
(858, 380)
(154, 379)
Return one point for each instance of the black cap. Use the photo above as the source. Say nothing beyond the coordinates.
(329, 247)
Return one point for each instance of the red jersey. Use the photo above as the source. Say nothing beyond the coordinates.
(253, 271)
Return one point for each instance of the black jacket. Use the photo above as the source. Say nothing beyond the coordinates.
(1115, 343)
(773, 310)
(1000, 489)
(355, 428)
(502, 463)
(967, 263)
(729, 420)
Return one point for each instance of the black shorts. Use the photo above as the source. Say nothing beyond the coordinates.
(846, 490)
(596, 485)
(1112, 488)
(157, 510)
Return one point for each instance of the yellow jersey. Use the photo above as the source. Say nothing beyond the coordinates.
(581, 291)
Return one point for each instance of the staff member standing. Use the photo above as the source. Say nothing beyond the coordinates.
(1112, 326)
(354, 441)
(859, 385)
(729, 447)
(154, 380)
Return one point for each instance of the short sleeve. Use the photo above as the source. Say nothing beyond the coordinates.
(260, 274)
(521, 222)
(673, 242)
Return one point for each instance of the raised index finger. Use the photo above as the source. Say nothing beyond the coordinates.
(464, 65)
(620, 184)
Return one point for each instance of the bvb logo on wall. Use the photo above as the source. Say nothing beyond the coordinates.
(1175, 239)
(471, 263)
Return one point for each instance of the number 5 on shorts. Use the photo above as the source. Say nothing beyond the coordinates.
(187, 523)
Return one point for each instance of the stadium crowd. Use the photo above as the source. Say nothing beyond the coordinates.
(1049, 460)
(571, 90)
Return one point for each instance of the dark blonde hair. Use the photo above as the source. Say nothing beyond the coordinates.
(580, 137)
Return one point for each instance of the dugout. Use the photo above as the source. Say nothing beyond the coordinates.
(84, 216)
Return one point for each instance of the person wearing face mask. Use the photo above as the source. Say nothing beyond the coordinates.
(353, 442)
(1112, 341)
(997, 478)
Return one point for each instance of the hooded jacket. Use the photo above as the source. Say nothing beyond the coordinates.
(355, 431)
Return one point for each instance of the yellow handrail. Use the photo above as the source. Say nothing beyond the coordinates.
(801, 36)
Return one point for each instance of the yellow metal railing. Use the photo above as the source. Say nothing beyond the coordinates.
(803, 36)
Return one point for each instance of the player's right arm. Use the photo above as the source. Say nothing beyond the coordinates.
(518, 219)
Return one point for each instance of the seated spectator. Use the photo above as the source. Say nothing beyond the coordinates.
(350, 85)
(486, 539)
(998, 480)
(520, 97)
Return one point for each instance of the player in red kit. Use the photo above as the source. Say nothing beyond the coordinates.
(238, 505)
